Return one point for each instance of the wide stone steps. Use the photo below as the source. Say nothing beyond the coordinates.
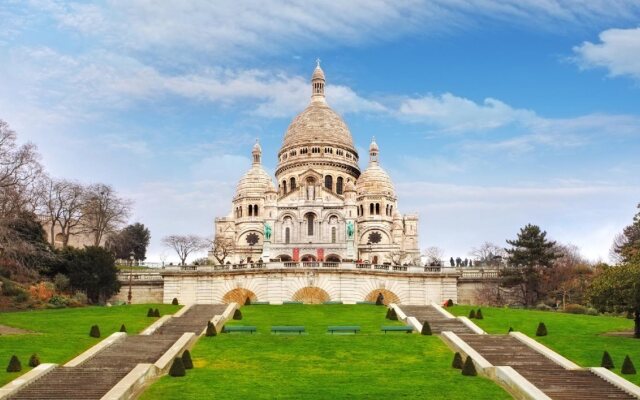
(438, 322)
(96, 376)
(555, 381)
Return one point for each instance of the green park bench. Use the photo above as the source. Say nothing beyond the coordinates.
(287, 329)
(333, 302)
(397, 328)
(260, 303)
(237, 328)
(354, 329)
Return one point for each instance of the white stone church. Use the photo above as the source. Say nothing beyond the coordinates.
(323, 208)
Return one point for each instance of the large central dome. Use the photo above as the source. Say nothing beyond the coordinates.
(318, 134)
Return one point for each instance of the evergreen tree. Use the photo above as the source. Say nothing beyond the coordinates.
(479, 314)
(469, 369)
(530, 255)
(186, 360)
(14, 364)
(472, 314)
(93, 271)
(247, 302)
(627, 245)
(95, 331)
(237, 314)
(174, 301)
(391, 314)
(177, 368)
(449, 303)
(211, 329)
(34, 360)
(123, 328)
(150, 312)
(510, 329)
(380, 300)
(426, 329)
(542, 329)
(457, 361)
(627, 366)
(607, 361)
(156, 313)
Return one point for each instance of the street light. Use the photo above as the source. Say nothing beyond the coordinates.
(132, 256)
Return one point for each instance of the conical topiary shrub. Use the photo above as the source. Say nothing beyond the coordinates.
(449, 303)
(237, 314)
(479, 314)
(186, 360)
(174, 301)
(247, 302)
(510, 329)
(123, 328)
(472, 314)
(426, 328)
(607, 361)
(211, 329)
(156, 313)
(34, 360)
(542, 329)
(95, 331)
(627, 366)
(380, 299)
(14, 364)
(150, 312)
(457, 361)
(469, 369)
(177, 368)
(391, 314)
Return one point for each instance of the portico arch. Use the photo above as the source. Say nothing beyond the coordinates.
(389, 296)
(332, 258)
(239, 295)
(311, 295)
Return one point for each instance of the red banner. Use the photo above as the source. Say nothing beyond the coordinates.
(296, 254)
(320, 254)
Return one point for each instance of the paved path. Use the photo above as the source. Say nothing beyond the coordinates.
(504, 350)
(96, 376)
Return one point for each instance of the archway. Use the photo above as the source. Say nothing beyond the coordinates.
(332, 258)
(284, 257)
(311, 295)
(389, 296)
(308, 258)
(239, 295)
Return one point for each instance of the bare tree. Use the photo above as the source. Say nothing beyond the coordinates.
(397, 257)
(488, 253)
(184, 245)
(104, 211)
(62, 202)
(434, 256)
(570, 275)
(222, 247)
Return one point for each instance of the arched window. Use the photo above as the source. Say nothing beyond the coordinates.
(339, 183)
(255, 210)
(391, 210)
(287, 235)
(370, 208)
(361, 210)
(377, 208)
(240, 210)
(310, 218)
(284, 186)
(328, 182)
(333, 234)
(293, 184)
(250, 210)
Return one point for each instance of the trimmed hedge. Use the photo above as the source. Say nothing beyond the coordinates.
(177, 368)
(627, 366)
(174, 301)
(34, 360)
(211, 329)
(542, 329)
(156, 313)
(457, 361)
(472, 314)
(95, 331)
(449, 303)
(391, 314)
(150, 312)
(14, 364)
(123, 328)
(607, 361)
(426, 328)
(479, 314)
(468, 369)
(237, 314)
(186, 360)
(247, 302)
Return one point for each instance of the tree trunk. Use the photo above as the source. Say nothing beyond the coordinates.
(636, 330)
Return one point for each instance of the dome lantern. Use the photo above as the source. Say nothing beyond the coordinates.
(257, 152)
(317, 83)
(373, 151)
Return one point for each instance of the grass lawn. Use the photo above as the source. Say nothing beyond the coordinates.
(61, 334)
(577, 337)
(318, 365)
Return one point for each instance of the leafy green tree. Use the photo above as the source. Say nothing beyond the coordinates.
(133, 238)
(529, 256)
(617, 289)
(626, 246)
(93, 271)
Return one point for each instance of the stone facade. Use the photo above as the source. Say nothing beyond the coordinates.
(324, 208)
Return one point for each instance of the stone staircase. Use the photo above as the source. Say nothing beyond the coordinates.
(438, 322)
(96, 376)
(555, 381)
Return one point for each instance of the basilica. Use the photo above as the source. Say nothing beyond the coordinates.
(323, 207)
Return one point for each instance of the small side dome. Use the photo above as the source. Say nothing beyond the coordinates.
(375, 181)
(255, 183)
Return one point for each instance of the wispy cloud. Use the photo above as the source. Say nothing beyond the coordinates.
(618, 51)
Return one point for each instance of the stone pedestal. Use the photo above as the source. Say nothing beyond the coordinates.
(266, 251)
(351, 249)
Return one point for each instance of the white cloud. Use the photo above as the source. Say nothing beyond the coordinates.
(618, 52)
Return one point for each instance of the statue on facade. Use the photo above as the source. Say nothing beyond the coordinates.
(350, 229)
(267, 231)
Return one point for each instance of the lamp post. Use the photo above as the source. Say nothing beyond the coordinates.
(132, 256)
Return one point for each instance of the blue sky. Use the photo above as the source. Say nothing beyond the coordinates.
(489, 115)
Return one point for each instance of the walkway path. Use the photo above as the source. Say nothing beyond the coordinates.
(504, 350)
(96, 376)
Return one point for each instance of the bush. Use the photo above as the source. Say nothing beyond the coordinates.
(542, 329)
(62, 282)
(380, 299)
(211, 329)
(449, 303)
(22, 297)
(472, 314)
(479, 314)
(123, 328)
(426, 328)
(156, 313)
(14, 364)
(34, 360)
(10, 289)
(247, 302)
(468, 369)
(186, 360)
(607, 361)
(543, 307)
(177, 368)
(457, 361)
(80, 299)
(95, 331)
(575, 309)
(592, 311)
(174, 301)
(391, 314)
(510, 330)
(59, 301)
(150, 312)
(237, 315)
(627, 366)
